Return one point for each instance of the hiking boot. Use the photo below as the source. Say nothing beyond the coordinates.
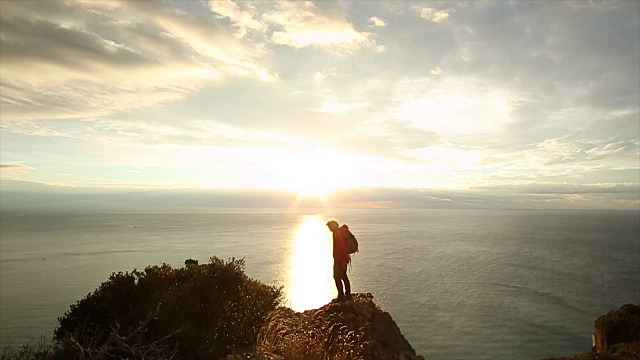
(349, 297)
(340, 298)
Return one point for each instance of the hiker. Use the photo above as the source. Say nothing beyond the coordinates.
(340, 260)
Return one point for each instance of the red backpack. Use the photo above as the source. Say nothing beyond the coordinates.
(350, 241)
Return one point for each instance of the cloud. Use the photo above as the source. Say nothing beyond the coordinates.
(340, 108)
(521, 46)
(566, 151)
(485, 97)
(324, 74)
(123, 133)
(436, 71)
(15, 168)
(568, 188)
(454, 106)
(303, 24)
(594, 5)
(377, 21)
(243, 19)
(434, 15)
(527, 196)
(83, 98)
(85, 59)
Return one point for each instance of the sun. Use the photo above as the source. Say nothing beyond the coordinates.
(310, 179)
(310, 187)
(314, 173)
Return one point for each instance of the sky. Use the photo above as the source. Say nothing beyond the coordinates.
(503, 104)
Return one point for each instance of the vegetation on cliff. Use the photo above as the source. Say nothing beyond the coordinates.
(201, 311)
(356, 329)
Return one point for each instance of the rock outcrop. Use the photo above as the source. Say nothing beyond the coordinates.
(617, 330)
(354, 329)
(616, 336)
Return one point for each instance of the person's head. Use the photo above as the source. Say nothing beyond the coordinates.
(333, 225)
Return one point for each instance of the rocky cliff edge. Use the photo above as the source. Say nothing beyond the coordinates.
(354, 329)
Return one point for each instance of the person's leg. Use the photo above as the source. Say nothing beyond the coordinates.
(347, 283)
(337, 277)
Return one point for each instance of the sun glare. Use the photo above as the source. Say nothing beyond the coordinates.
(310, 282)
(314, 173)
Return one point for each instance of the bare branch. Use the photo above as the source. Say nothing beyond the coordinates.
(117, 346)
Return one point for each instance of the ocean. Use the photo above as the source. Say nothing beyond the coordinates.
(460, 284)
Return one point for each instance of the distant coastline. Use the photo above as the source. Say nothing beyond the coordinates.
(360, 198)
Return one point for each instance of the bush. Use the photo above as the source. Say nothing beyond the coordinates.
(196, 312)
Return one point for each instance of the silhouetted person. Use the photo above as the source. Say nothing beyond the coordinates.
(340, 261)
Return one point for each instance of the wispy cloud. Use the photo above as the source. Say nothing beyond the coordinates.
(303, 24)
(79, 59)
(14, 168)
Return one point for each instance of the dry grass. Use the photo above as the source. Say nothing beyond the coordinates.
(300, 336)
(42, 349)
(337, 331)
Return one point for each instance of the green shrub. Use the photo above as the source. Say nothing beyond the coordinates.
(200, 311)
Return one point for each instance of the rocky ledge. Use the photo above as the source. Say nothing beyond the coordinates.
(616, 336)
(354, 329)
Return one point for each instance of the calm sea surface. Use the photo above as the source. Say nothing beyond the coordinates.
(461, 284)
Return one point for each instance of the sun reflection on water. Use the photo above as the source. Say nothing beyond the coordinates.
(310, 282)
